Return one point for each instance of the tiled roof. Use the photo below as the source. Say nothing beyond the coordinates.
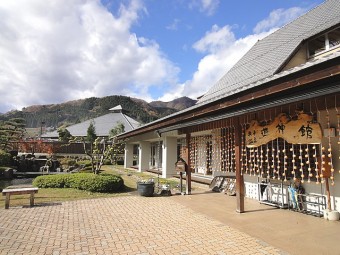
(266, 57)
(315, 62)
(103, 125)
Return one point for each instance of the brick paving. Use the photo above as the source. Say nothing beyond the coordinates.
(120, 225)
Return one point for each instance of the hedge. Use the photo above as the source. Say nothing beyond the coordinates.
(5, 158)
(83, 181)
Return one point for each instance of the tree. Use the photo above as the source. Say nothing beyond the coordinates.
(101, 148)
(64, 134)
(91, 133)
(116, 147)
(120, 128)
(93, 142)
(11, 131)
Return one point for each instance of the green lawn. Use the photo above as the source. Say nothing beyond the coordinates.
(44, 196)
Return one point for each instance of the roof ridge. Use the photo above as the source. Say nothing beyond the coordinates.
(127, 120)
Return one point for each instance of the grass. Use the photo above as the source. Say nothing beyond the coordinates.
(132, 176)
(45, 196)
(50, 196)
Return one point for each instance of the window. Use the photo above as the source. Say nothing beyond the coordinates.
(334, 38)
(324, 43)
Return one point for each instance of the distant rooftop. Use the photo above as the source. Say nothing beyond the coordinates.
(103, 124)
(117, 108)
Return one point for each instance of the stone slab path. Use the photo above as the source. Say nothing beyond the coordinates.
(120, 225)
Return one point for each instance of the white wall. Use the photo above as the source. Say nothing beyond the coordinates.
(144, 156)
(128, 157)
(169, 155)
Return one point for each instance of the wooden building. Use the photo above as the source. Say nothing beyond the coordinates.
(272, 120)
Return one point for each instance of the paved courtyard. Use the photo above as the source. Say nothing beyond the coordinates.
(121, 225)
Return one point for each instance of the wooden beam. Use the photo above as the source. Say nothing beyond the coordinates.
(188, 170)
(239, 175)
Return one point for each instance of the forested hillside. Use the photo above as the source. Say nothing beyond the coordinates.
(72, 112)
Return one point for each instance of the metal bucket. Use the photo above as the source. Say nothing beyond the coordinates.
(145, 189)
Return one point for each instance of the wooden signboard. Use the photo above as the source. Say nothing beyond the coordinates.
(299, 131)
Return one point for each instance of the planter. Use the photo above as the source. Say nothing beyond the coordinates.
(145, 189)
(331, 215)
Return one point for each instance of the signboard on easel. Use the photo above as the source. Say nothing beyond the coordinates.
(295, 131)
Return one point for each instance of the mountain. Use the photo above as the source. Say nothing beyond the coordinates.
(177, 104)
(72, 112)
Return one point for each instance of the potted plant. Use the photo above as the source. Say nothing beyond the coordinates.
(146, 188)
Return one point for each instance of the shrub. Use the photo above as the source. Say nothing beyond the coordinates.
(107, 162)
(86, 163)
(71, 162)
(5, 158)
(52, 181)
(83, 181)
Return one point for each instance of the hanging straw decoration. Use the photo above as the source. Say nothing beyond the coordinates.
(223, 149)
(301, 164)
(284, 174)
(243, 154)
(267, 161)
(338, 127)
(323, 156)
(216, 149)
(255, 161)
(321, 167)
(329, 154)
(294, 161)
(278, 170)
(317, 167)
(261, 161)
(232, 147)
(250, 162)
(273, 159)
(227, 149)
(308, 164)
(273, 166)
(207, 144)
(246, 154)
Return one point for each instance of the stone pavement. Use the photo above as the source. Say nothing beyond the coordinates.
(121, 225)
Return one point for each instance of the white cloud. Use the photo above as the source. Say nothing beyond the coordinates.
(219, 60)
(173, 25)
(53, 51)
(59, 50)
(215, 40)
(278, 18)
(223, 50)
(206, 6)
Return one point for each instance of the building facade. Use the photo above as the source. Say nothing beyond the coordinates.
(273, 120)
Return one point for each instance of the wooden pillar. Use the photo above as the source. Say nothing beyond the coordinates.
(188, 170)
(32, 199)
(8, 198)
(239, 175)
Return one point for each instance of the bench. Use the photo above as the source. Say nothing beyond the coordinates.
(19, 191)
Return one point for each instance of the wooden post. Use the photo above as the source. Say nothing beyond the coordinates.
(239, 175)
(328, 195)
(326, 175)
(8, 197)
(32, 199)
(188, 170)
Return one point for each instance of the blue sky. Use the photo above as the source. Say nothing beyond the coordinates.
(60, 50)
